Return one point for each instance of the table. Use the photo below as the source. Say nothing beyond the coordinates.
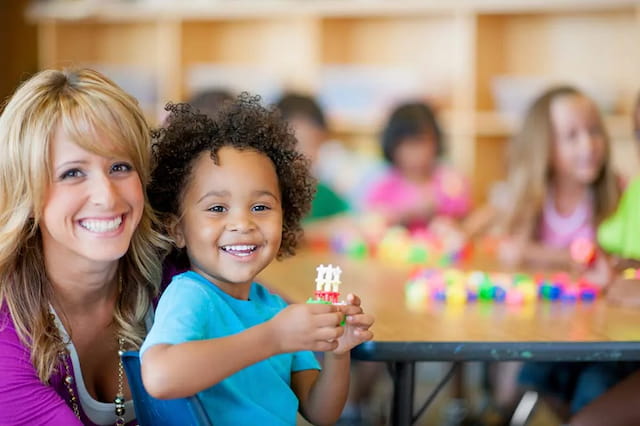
(407, 332)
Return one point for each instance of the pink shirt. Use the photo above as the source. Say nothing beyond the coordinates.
(560, 231)
(396, 194)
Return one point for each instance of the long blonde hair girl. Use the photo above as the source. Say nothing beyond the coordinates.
(530, 170)
(84, 103)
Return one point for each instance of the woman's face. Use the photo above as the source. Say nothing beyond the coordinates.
(579, 143)
(92, 207)
(415, 156)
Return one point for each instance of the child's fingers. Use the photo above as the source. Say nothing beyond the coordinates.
(321, 308)
(363, 335)
(350, 309)
(332, 319)
(324, 346)
(353, 299)
(328, 333)
(362, 321)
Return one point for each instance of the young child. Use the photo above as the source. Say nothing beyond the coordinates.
(232, 193)
(306, 118)
(418, 186)
(560, 170)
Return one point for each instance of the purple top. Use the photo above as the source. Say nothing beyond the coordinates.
(23, 398)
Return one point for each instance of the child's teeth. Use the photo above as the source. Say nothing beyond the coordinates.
(239, 248)
(101, 225)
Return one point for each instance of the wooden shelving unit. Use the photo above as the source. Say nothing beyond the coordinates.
(459, 46)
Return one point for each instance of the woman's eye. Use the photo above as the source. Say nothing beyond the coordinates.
(121, 168)
(216, 209)
(70, 174)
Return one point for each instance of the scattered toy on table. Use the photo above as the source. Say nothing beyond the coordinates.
(457, 287)
(583, 251)
(631, 274)
(399, 246)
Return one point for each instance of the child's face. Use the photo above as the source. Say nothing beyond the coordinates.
(579, 144)
(414, 155)
(93, 204)
(231, 220)
(309, 137)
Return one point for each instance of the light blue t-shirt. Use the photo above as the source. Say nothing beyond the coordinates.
(192, 308)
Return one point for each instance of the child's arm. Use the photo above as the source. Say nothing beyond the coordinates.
(479, 221)
(323, 395)
(184, 369)
(618, 406)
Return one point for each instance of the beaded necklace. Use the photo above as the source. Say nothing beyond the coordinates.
(118, 400)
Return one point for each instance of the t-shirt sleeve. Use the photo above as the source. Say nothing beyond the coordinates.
(304, 360)
(24, 400)
(180, 316)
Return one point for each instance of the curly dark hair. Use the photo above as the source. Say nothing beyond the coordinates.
(243, 124)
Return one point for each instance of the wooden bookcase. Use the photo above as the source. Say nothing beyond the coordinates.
(460, 46)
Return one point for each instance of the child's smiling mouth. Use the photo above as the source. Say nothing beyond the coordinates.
(239, 249)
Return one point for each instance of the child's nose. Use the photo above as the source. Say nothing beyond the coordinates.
(241, 222)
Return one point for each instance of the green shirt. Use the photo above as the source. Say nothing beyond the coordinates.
(620, 233)
(326, 203)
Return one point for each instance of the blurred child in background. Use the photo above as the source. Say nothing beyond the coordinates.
(561, 183)
(418, 185)
(306, 118)
(561, 186)
(209, 102)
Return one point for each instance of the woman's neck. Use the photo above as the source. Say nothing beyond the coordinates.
(79, 292)
(567, 195)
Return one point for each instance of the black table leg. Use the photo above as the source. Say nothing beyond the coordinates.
(403, 387)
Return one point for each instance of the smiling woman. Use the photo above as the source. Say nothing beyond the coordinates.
(79, 256)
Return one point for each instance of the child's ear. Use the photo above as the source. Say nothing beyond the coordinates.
(174, 228)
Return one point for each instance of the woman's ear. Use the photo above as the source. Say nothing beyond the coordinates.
(174, 228)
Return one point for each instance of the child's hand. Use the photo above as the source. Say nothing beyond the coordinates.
(314, 327)
(600, 272)
(510, 252)
(624, 292)
(357, 324)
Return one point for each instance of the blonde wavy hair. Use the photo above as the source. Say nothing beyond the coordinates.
(530, 170)
(83, 103)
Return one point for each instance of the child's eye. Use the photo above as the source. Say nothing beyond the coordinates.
(216, 209)
(121, 168)
(260, 208)
(71, 173)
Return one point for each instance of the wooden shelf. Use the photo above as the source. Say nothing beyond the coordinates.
(452, 53)
(242, 9)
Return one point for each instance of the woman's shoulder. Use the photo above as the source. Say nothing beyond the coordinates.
(11, 346)
(7, 327)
